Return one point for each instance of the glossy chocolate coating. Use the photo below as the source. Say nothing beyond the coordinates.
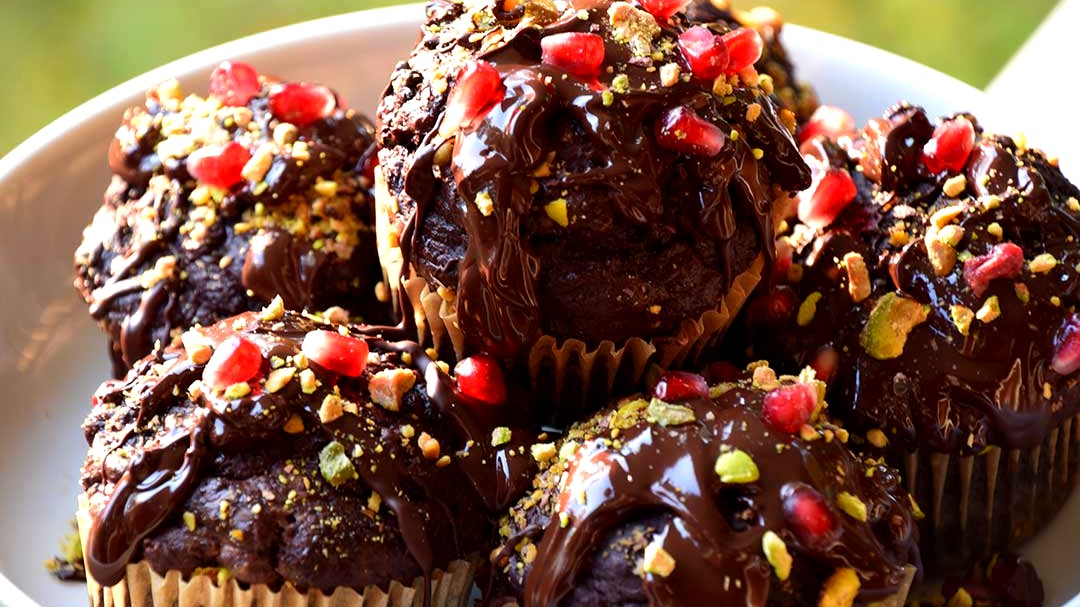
(163, 254)
(164, 444)
(946, 392)
(654, 237)
(578, 538)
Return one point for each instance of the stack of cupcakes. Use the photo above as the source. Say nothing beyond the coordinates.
(564, 207)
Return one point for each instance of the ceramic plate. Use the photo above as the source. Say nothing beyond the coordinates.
(52, 357)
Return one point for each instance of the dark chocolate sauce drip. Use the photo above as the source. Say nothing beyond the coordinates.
(499, 475)
(278, 264)
(714, 533)
(498, 157)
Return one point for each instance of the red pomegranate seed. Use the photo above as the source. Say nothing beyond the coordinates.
(342, 354)
(682, 130)
(831, 192)
(1067, 355)
(219, 166)
(774, 308)
(478, 89)
(824, 363)
(578, 53)
(828, 121)
(787, 408)
(234, 83)
(235, 360)
(480, 378)
(744, 47)
(809, 515)
(722, 371)
(663, 9)
(1005, 260)
(706, 53)
(950, 146)
(301, 103)
(675, 386)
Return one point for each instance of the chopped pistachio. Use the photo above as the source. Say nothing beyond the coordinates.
(237, 390)
(737, 467)
(295, 425)
(851, 505)
(335, 466)
(279, 378)
(658, 561)
(628, 413)
(308, 383)
(877, 438)
(994, 229)
(568, 450)
(500, 436)
(1022, 292)
(189, 520)
(667, 414)
(942, 255)
(273, 310)
(556, 210)
(808, 309)
(542, 452)
(962, 317)
(1073, 204)
(777, 554)
(389, 386)
(484, 203)
(331, 409)
(840, 589)
(961, 599)
(990, 310)
(1042, 263)
(954, 186)
(890, 322)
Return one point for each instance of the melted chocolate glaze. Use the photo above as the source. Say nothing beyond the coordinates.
(672, 230)
(163, 444)
(633, 481)
(238, 249)
(947, 392)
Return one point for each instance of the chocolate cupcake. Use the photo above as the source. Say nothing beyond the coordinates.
(218, 204)
(775, 63)
(273, 457)
(579, 189)
(932, 278)
(739, 493)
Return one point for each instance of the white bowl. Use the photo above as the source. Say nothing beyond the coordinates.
(52, 357)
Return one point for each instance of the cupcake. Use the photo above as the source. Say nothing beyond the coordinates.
(578, 190)
(931, 277)
(797, 96)
(271, 457)
(219, 203)
(738, 493)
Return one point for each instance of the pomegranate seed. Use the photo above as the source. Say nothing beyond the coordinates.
(682, 130)
(480, 378)
(831, 192)
(675, 386)
(1005, 260)
(301, 103)
(342, 354)
(809, 515)
(705, 52)
(774, 308)
(828, 121)
(722, 371)
(663, 9)
(744, 47)
(578, 53)
(478, 89)
(234, 83)
(235, 360)
(787, 408)
(950, 146)
(1067, 355)
(219, 166)
(824, 363)
(785, 255)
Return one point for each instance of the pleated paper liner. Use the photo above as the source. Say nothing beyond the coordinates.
(143, 587)
(981, 504)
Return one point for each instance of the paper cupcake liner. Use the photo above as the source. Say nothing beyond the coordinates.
(143, 587)
(977, 505)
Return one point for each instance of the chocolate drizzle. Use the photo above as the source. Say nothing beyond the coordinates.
(437, 520)
(559, 136)
(948, 392)
(645, 471)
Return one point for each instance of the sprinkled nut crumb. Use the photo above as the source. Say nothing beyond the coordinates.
(387, 387)
(945, 215)
(990, 310)
(259, 163)
(1042, 263)
(295, 425)
(764, 378)
(736, 467)
(542, 452)
(877, 438)
(808, 309)
(429, 446)
(840, 589)
(336, 315)
(197, 346)
(556, 210)
(237, 391)
(753, 111)
(189, 520)
(657, 561)
(962, 316)
(858, 277)
(954, 186)
(961, 599)
(1073, 204)
(308, 383)
(669, 74)
(777, 554)
(273, 310)
(500, 436)
(285, 133)
(279, 378)
(331, 409)
(484, 203)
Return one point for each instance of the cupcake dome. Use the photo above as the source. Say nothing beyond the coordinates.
(220, 203)
(290, 454)
(931, 279)
(571, 173)
(738, 493)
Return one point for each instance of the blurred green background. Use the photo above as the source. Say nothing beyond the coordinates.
(58, 53)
